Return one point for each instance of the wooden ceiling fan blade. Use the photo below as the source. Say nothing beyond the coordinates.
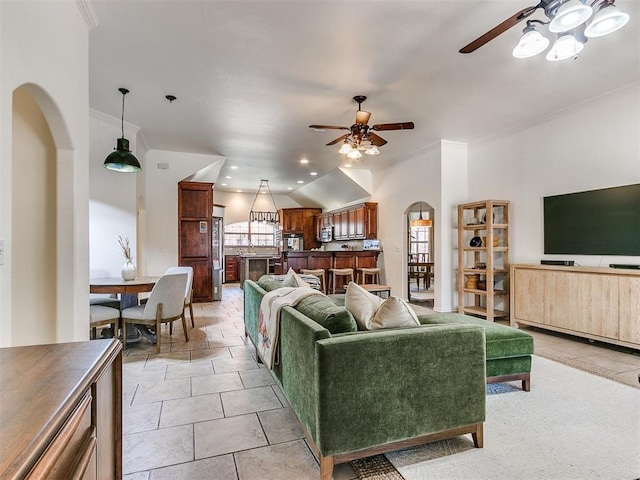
(363, 117)
(377, 140)
(327, 127)
(393, 126)
(339, 139)
(501, 28)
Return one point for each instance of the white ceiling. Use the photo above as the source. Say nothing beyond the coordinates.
(250, 76)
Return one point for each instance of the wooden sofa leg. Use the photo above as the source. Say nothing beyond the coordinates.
(526, 382)
(326, 468)
(478, 436)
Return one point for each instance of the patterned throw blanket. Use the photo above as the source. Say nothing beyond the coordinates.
(269, 318)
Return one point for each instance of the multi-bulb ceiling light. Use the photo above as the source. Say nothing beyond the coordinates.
(352, 147)
(567, 19)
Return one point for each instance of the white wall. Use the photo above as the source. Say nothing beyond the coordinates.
(594, 146)
(33, 237)
(395, 189)
(161, 204)
(113, 196)
(44, 46)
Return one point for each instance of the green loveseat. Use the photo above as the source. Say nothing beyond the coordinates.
(358, 394)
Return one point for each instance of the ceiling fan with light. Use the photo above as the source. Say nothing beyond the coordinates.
(567, 19)
(360, 136)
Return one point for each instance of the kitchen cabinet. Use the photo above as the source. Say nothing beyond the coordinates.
(195, 211)
(357, 222)
(231, 268)
(300, 220)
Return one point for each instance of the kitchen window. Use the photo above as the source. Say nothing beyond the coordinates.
(247, 234)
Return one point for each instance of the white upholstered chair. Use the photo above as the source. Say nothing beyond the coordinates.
(188, 290)
(101, 315)
(165, 305)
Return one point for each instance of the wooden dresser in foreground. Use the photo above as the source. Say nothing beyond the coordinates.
(61, 411)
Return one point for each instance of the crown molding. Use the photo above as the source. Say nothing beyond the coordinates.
(103, 117)
(88, 14)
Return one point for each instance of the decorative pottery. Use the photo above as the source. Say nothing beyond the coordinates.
(129, 271)
(472, 281)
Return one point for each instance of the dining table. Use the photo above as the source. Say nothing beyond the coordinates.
(425, 268)
(128, 291)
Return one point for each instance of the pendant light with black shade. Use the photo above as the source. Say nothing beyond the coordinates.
(122, 160)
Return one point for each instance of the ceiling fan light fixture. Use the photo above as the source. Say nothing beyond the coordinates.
(570, 14)
(531, 43)
(566, 46)
(122, 160)
(345, 148)
(363, 117)
(607, 20)
(372, 151)
(354, 154)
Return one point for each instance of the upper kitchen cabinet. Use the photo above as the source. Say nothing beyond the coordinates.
(357, 222)
(300, 220)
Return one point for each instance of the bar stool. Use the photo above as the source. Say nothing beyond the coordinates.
(318, 272)
(363, 272)
(99, 315)
(340, 272)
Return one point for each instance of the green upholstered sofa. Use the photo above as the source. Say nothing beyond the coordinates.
(357, 394)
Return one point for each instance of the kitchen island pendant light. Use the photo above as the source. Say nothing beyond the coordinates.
(122, 160)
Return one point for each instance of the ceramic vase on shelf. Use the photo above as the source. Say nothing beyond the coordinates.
(129, 271)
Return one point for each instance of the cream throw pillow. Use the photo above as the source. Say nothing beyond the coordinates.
(294, 280)
(362, 304)
(394, 312)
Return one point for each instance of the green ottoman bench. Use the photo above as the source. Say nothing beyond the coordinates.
(508, 349)
(508, 352)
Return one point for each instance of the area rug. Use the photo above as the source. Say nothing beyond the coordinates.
(377, 467)
(572, 425)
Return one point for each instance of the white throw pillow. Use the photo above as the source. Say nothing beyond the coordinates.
(394, 312)
(292, 279)
(362, 304)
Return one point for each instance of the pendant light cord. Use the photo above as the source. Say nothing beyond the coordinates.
(122, 118)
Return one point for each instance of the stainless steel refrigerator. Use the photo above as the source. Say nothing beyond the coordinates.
(217, 233)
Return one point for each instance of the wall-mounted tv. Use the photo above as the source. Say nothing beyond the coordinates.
(596, 222)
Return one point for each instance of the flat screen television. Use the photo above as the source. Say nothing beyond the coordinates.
(596, 222)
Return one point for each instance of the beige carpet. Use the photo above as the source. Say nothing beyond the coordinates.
(572, 425)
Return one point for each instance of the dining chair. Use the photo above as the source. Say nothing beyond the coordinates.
(101, 315)
(164, 305)
(188, 293)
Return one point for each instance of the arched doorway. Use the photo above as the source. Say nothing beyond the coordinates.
(41, 221)
(420, 254)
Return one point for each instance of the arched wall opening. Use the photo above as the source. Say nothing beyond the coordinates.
(420, 253)
(42, 232)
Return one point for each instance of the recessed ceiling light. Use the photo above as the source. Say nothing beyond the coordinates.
(347, 165)
(228, 176)
(223, 184)
(304, 160)
(289, 188)
(233, 167)
(313, 174)
(300, 181)
(238, 191)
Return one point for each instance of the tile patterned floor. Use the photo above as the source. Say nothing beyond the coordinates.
(206, 409)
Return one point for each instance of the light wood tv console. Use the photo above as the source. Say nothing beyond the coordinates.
(592, 302)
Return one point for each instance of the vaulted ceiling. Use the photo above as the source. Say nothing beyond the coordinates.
(250, 76)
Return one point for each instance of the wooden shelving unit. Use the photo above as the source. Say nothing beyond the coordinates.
(483, 270)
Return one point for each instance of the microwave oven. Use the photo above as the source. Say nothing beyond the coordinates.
(326, 233)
